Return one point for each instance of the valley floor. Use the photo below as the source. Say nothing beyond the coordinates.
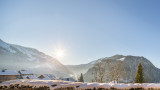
(25, 84)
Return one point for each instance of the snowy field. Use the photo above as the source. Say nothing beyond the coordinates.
(67, 85)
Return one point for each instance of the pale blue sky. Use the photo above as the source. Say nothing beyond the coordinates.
(85, 29)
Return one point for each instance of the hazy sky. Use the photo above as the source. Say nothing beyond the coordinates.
(84, 30)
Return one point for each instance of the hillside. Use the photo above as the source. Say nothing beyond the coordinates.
(130, 63)
(17, 57)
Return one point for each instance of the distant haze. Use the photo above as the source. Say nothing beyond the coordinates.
(84, 30)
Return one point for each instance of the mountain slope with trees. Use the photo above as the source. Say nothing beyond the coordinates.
(129, 66)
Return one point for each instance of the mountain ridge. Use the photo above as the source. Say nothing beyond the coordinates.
(18, 57)
(130, 63)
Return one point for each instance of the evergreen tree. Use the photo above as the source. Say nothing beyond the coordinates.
(139, 78)
(81, 78)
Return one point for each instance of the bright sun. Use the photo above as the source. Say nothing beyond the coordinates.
(59, 53)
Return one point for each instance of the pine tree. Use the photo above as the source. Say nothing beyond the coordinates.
(139, 78)
(81, 78)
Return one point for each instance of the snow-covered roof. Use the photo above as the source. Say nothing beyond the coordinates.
(51, 76)
(8, 72)
(44, 77)
(47, 77)
(30, 77)
(25, 72)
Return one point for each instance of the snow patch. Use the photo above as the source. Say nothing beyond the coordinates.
(122, 59)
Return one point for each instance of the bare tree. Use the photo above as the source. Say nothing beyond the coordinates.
(95, 74)
(99, 72)
(114, 73)
(115, 70)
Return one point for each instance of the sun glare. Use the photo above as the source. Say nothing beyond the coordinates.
(60, 53)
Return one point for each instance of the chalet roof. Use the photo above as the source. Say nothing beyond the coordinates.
(51, 76)
(8, 72)
(29, 77)
(25, 72)
(47, 77)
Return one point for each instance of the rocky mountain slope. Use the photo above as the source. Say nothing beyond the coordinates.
(17, 57)
(130, 63)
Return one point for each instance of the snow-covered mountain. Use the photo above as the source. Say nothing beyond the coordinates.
(152, 74)
(129, 63)
(17, 57)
